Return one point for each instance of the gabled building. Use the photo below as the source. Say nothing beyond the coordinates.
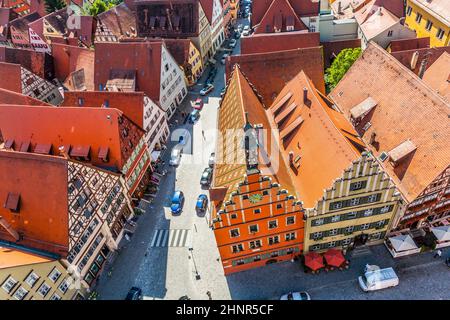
(116, 23)
(19, 30)
(286, 15)
(26, 275)
(85, 207)
(102, 137)
(21, 80)
(430, 18)
(213, 10)
(152, 70)
(256, 216)
(39, 63)
(135, 105)
(392, 120)
(20, 7)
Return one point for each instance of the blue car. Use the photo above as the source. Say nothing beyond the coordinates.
(194, 116)
(202, 203)
(177, 202)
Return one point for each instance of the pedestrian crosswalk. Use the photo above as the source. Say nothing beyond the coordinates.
(171, 238)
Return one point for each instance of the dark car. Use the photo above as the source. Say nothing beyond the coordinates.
(206, 177)
(212, 73)
(135, 293)
(194, 116)
(177, 202)
(202, 203)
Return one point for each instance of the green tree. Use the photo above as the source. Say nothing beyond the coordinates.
(99, 6)
(54, 5)
(340, 66)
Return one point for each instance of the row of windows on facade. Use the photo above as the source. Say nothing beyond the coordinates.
(354, 201)
(255, 227)
(348, 230)
(96, 265)
(172, 89)
(31, 279)
(265, 256)
(352, 215)
(259, 243)
(344, 242)
(439, 34)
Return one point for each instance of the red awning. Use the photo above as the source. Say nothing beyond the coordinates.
(334, 257)
(80, 151)
(43, 148)
(314, 261)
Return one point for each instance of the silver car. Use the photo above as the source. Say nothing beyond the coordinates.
(296, 296)
(175, 155)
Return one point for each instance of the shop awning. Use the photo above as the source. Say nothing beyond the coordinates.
(441, 233)
(314, 261)
(403, 243)
(334, 257)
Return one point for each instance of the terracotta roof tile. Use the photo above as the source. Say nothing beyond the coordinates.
(429, 55)
(11, 77)
(10, 258)
(278, 16)
(409, 44)
(406, 108)
(437, 76)
(302, 8)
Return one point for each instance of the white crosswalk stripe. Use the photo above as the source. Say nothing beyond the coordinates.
(171, 238)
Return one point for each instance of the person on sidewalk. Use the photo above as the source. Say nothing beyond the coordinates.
(438, 254)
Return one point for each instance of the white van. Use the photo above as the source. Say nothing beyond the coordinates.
(375, 278)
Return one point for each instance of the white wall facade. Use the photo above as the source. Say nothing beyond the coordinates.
(384, 38)
(155, 124)
(312, 23)
(332, 29)
(173, 88)
(217, 33)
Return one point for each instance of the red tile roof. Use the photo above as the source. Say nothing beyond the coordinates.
(269, 72)
(409, 44)
(40, 180)
(437, 76)
(407, 109)
(11, 77)
(279, 16)
(302, 8)
(11, 97)
(207, 6)
(144, 57)
(430, 55)
(261, 43)
(94, 127)
(130, 103)
(38, 63)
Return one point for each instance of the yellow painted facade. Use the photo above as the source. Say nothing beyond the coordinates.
(427, 23)
(358, 209)
(47, 280)
(234, 9)
(195, 60)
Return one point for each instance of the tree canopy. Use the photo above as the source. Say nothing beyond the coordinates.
(54, 5)
(340, 66)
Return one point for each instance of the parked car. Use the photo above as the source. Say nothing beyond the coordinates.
(375, 278)
(246, 31)
(175, 155)
(233, 43)
(198, 104)
(302, 295)
(202, 203)
(447, 262)
(212, 73)
(224, 58)
(222, 92)
(135, 293)
(177, 202)
(237, 35)
(205, 180)
(207, 89)
(212, 160)
(195, 114)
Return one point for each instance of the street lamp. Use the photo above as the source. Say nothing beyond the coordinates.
(197, 276)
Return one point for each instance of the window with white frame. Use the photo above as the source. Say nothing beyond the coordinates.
(290, 236)
(31, 279)
(390, 33)
(273, 224)
(380, 224)
(429, 25)
(253, 228)
(20, 293)
(354, 201)
(54, 275)
(333, 232)
(234, 233)
(44, 289)
(290, 220)
(409, 10)
(384, 209)
(237, 248)
(440, 34)
(346, 241)
(255, 244)
(332, 244)
(274, 240)
(365, 226)
(317, 235)
(368, 212)
(335, 218)
(9, 284)
(55, 296)
(318, 222)
(64, 286)
(372, 198)
(349, 229)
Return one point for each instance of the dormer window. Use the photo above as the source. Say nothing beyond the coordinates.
(397, 154)
(12, 202)
(103, 153)
(359, 111)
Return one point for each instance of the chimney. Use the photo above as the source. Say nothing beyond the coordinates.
(63, 152)
(372, 138)
(414, 58)
(339, 7)
(423, 67)
(291, 158)
(305, 95)
(10, 229)
(379, 11)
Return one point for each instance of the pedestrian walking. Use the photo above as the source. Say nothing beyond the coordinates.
(203, 134)
(438, 254)
(208, 293)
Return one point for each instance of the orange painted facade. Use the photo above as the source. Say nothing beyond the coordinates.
(275, 215)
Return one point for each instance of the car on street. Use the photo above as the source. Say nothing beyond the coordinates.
(375, 278)
(212, 73)
(198, 104)
(202, 203)
(212, 159)
(246, 31)
(135, 293)
(205, 180)
(177, 202)
(194, 116)
(302, 295)
(222, 92)
(447, 262)
(175, 155)
(233, 43)
(224, 58)
(207, 89)
(237, 35)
